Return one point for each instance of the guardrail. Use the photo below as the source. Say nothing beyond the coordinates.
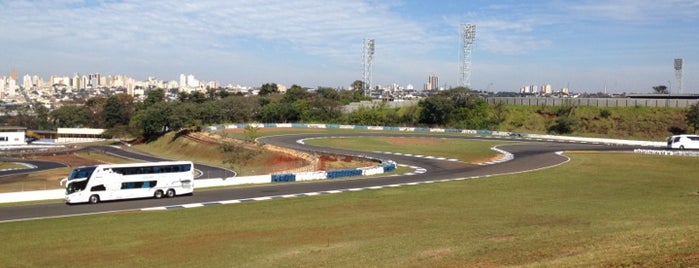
(667, 152)
(443, 130)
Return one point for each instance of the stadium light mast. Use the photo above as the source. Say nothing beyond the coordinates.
(468, 36)
(678, 74)
(368, 57)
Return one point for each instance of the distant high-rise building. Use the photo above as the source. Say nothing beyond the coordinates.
(26, 81)
(183, 81)
(192, 81)
(94, 79)
(3, 82)
(433, 80)
(546, 89)
(14, 74)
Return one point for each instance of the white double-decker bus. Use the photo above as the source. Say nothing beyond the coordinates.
(123, 181)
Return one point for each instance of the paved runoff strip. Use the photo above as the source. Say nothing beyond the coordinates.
(416, 170)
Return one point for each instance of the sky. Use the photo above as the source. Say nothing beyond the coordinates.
(589, 46)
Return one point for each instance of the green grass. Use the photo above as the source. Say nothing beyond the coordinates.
(640, 123)
(11, 165)
(597, 210)
(470, 151)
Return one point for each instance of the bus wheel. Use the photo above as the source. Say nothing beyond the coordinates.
(170, 193)
(681, 147)
(158, 194)
(94, 199)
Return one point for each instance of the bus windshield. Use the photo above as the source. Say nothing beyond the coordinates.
(80, 177)
(76, 186)
(81, 173)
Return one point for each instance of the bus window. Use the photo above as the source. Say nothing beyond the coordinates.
(98, 188)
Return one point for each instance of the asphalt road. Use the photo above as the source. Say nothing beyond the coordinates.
(205, 170)
(528, 155)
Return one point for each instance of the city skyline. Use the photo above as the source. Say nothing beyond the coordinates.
(620, 45)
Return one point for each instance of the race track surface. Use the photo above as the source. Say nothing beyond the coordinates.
(528, 155)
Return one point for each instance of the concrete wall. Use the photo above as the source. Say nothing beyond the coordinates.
(12, 138)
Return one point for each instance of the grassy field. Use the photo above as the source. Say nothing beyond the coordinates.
(597, 210)
(641, 123)
(464, 150)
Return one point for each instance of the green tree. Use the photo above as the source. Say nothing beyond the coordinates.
(279, 112)
(358, 85)
(70, 116)
(295, 93)
(239, 109)
(322, 110)
(96, 107)
(155, 120)
(42, 117)
(118, 110)
(182, 96)
(211, 93)
(328, 93)
(197, 97)
(268, 89)
(435, 110)
(692, 117)
(154, 96)
(661, 89)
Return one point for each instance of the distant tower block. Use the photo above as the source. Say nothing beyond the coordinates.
(678, 74)
(468, 37)
(368, 57)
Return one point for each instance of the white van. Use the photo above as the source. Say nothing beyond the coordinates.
(683, 142)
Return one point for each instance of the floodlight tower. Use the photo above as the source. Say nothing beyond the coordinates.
(678, 73)
(468, 36)
(368, 57)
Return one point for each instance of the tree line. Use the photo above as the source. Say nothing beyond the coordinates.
(123, 116)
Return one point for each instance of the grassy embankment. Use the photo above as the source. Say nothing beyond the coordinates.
(262, 162)
(640, 123)
(597, 210)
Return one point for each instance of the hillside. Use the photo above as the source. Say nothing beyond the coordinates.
(641, 123)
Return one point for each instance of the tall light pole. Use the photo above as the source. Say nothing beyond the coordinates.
(368, 57)
(678, 73)
(468, 36)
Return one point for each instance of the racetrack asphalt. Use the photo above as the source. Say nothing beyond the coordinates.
(528, 155)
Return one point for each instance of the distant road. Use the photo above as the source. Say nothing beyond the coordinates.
(206, 170)
(36, 166)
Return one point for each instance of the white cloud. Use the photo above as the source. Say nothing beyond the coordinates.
(168, 30)
(635, 11)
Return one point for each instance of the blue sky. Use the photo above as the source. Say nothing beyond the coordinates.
(625, 45)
